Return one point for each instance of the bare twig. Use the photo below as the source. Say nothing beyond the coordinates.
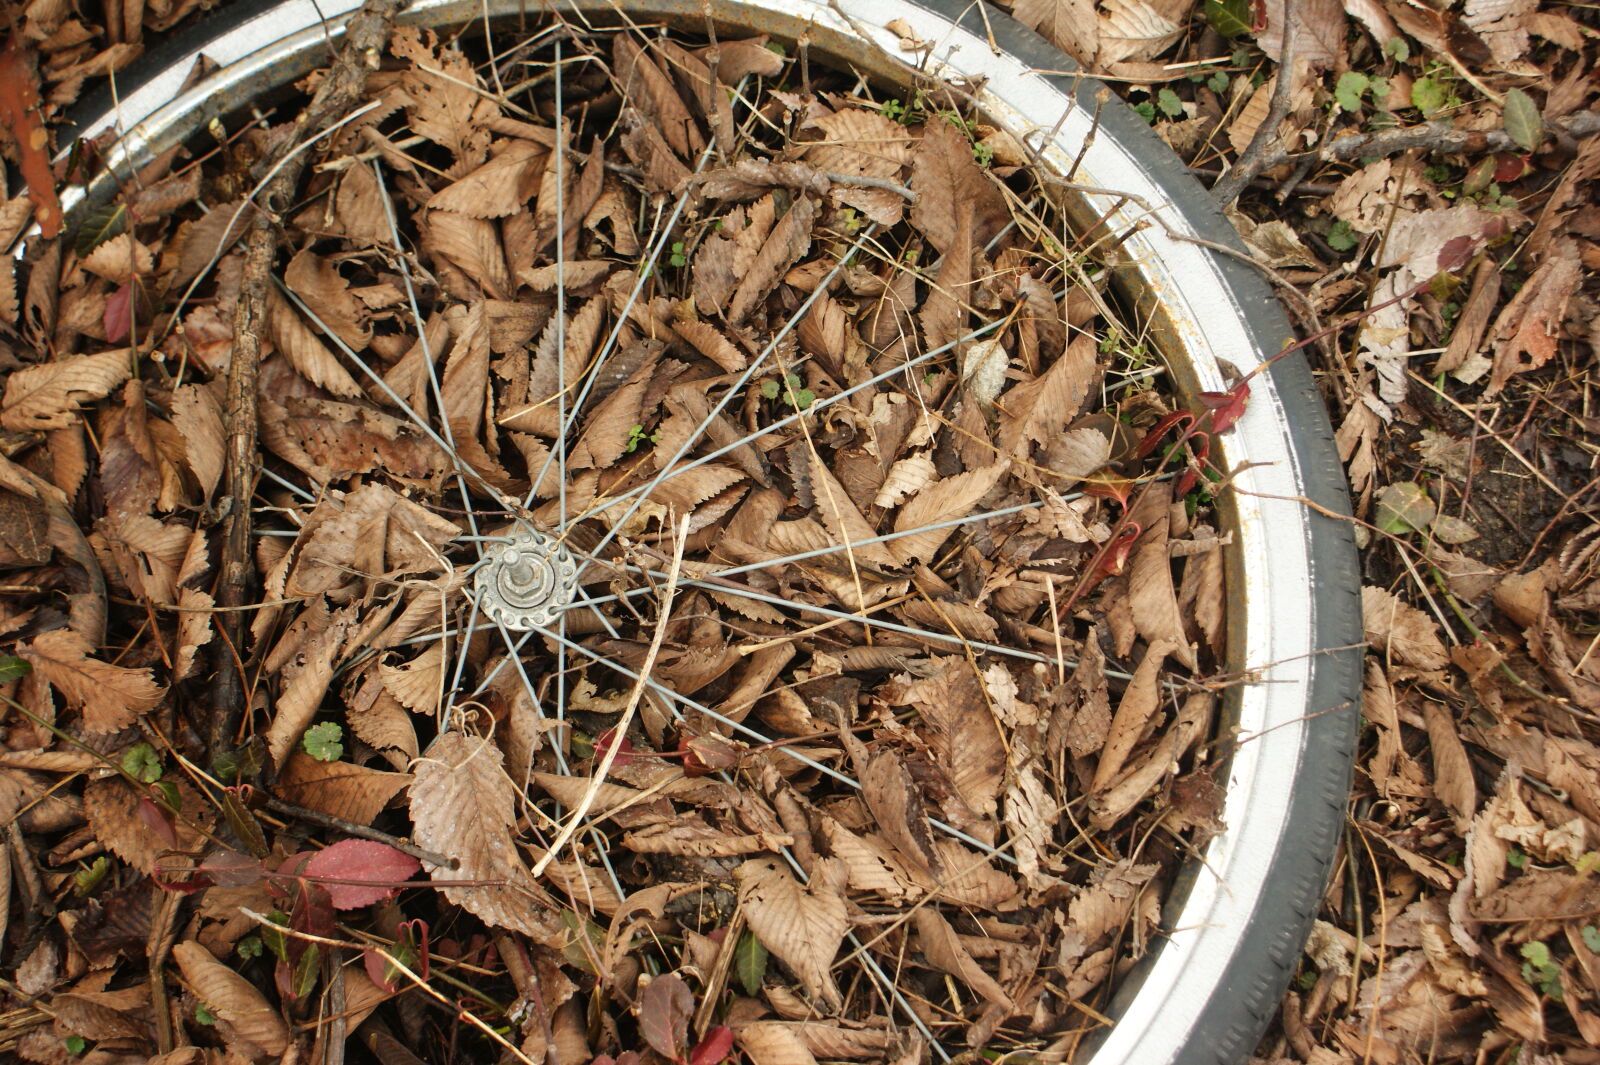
(1429, 137)
(340, 90)
(1251, 160)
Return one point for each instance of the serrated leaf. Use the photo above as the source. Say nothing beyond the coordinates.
(750, 963)
(322, 741)
(1231, 18)
(99, 225)
(1523, 124)
(1404, 507)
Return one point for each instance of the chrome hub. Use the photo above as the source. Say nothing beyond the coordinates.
(526, 582)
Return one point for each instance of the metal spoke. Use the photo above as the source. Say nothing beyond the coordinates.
(760, 738)
(827, 401)
(646, 269)
(560, 444)
(667, 469)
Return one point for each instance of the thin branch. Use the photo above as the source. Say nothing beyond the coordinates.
(1430, 137)
(1250, 162)
(366, 34)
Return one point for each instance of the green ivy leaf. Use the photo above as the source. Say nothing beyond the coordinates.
(1515, 858)
(1523, 124)
(1591, 937)
(1350, 88)
(76, 1044)
(13, 668)
(1398, 49)
(1536, 954)
(322, 741)
(1169, 103)
(1147, 110)
(204, 1016)
(769, 388)
(250, 947)
(1231, 18)
(142, 763)
(1430, 95)
(750, 963)
(1218, 82)
(1341, 237)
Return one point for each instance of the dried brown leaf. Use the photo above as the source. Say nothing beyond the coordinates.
(802, 926)
(319, 284)
(942, 947)
(1401, 631)
(1140, 701)
(790, 238)
(944, 177)
(111, 697)
(197, 415)
(962, 731)
(1070, 25)
(47, 396)
(464, 806)
(774, 1043)
(499, 187)
(305, 350)
(233, 998)
(944, 500)
(1036, 411)
(343, 789)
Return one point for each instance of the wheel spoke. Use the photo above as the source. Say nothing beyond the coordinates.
(675, 699)
(646, 269)
(638, 492)
(668, 468)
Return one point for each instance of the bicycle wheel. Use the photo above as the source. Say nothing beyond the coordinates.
(1235, 922)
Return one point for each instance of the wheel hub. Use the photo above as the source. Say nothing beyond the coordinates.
(527, 581)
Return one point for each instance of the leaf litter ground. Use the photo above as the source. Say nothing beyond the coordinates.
(881, 713)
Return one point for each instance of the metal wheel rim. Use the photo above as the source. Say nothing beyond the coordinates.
(1272, 571)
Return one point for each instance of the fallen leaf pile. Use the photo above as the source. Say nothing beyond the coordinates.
(875, 718)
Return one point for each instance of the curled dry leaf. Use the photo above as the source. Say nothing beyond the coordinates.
(463, 806)
(111, 697)
(233, 998)
(802, 926)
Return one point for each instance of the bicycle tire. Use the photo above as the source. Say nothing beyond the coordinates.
(1236, 926)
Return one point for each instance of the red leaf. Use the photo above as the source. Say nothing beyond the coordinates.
(1116, 553)
(1227, 407)
(158, 821)
(1508, 167)
(664, 1012)
(603, 742)
(359, 872)
(19, 112)
(377, 967)
(1160, 429)
(714, 1048)
(119, 313)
